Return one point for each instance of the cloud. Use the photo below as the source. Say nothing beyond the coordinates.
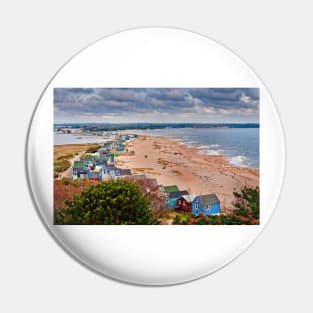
(227, 98)
(156, 104)
(169, 94)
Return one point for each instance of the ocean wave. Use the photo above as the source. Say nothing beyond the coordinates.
(239, 160)
(211, 152)
(189, 143)
(206, 147)
(210, 149)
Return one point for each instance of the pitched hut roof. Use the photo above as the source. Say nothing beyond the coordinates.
(140, 176)
(209, 199)
(125, 172)
(101, 163)
(177, 194)
(189, 198)
(171, 188)
(79, 164)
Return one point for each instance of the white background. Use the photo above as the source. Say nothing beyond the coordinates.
(274, 38)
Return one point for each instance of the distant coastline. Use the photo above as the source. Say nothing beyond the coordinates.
(97, 127)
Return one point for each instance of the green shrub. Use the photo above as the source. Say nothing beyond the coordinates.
(113, 202)
(247, 202)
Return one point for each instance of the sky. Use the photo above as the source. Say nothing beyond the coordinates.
(156, 105)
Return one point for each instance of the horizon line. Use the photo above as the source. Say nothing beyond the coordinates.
(238, 123)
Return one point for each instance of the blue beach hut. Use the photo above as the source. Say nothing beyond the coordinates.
(171, 200)
(209, 204)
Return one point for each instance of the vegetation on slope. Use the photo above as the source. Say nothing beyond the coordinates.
(63, 154)
(66, 188)
(129, 202)
(61, 164)
(93, 149)
(247, 212)
(112, 202)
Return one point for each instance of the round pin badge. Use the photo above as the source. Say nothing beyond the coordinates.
(155, 156)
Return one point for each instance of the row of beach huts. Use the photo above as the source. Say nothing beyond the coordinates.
(101, 166)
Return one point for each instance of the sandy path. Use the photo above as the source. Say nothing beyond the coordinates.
(68, 173)
(173, 163)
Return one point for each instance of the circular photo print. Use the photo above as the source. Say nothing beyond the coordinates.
(155, 156)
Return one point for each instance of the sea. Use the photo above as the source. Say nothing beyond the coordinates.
(239, 145)
(66, 139)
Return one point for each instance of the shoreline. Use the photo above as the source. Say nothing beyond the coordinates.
(203, 148)
(173, 162)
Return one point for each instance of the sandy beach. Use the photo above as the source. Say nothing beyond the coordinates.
(174, 163)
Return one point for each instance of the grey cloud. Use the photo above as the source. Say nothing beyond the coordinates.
(179, 102)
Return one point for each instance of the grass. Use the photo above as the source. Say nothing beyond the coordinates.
(60, 150)
(61, 165)
(63, 153)
(93, 148)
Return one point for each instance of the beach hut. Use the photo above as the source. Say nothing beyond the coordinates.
(101, 163)
(95, 172)
(171, 198)
(110, 159)
(120, 148)
(188, 203)
(209, 204)
(80, 170)
(110, 172)
(107, 146)
(125, 173)
(139, 176)
(102, 153)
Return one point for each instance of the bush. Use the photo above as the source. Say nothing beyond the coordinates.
(113, 202)
(247, 203)
(182, 218)
(61, 165)
(93, 149)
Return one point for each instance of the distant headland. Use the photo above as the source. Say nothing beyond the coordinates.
(92, 127)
